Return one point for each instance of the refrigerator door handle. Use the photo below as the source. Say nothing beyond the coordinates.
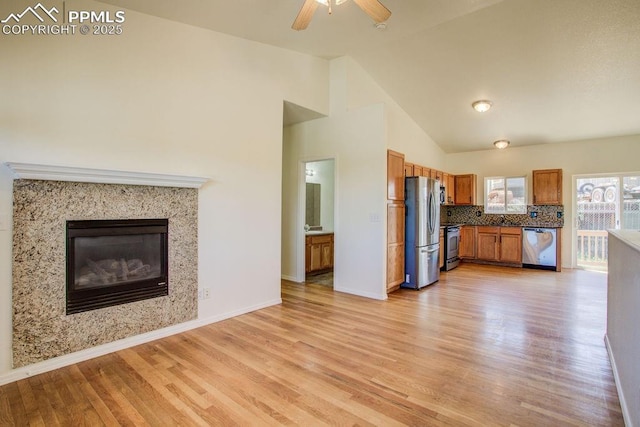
(432, 213)
(429, 250)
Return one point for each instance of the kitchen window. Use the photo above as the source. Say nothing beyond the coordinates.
(505, 195)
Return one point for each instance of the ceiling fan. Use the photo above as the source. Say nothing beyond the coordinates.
(373, 8)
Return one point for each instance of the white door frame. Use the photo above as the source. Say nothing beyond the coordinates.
(301, 218)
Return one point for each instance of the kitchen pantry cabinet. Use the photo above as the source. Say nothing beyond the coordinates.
(499, 244)
(319, 252)
(395, 245)
(465, 189)
(396, 171)
(547, 187)
(467, 248)
(395, 176)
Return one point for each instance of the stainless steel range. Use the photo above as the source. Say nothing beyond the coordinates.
(451, 247)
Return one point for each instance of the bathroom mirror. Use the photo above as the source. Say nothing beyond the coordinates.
(313, 205)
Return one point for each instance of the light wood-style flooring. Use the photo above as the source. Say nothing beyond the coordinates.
(485, 346)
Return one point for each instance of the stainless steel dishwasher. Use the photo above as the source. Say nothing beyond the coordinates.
(539, 248)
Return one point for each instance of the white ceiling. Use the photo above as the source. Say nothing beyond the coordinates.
(556, 70)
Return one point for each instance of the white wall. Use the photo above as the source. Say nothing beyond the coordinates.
(364, 121)
(356, 141)
(168, 98)
(606, 155)
(403, 134)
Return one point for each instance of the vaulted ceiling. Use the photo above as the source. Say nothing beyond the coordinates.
(555, 70)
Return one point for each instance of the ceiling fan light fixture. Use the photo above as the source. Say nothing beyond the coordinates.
(326, 2)
(501, 144)
(482, 105)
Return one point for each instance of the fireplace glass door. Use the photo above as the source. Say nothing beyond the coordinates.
(114, 262)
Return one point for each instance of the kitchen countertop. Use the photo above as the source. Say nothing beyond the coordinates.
(317, 232)
(506, 225)
(630, 237)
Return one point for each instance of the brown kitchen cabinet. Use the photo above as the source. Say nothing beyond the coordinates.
(547, 187)
(487, 243)
(395, 245)
(499, 244)
(319, 252)
(395, 175)
(408, 169)
(465, 189)
(467, 245)
(511, 245)
(451, 189)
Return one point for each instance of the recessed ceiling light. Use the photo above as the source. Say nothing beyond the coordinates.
(482, 105)
(501, 144)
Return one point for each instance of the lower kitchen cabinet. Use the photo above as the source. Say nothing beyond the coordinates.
(499, 244)
(467, 248)
(395, 245)
(487, 243)
(319, 252)
(511, 245)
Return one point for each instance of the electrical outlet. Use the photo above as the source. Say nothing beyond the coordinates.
(206, 293)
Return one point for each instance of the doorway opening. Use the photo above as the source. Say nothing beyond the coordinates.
(603, 202)
(319, 227)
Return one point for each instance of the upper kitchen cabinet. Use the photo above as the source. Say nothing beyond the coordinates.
(408, 169)
(395, 175)
(465, 189)
(547, 187)
(451, 189)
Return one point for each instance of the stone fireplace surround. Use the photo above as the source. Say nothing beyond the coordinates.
(44, 198)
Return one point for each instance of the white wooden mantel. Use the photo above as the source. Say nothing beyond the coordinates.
(101, 176)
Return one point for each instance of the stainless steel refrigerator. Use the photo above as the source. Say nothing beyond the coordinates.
(422, 236)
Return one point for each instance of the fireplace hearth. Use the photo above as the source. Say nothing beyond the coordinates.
(112, 262)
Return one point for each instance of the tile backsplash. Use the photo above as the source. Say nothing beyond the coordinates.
(536, 216)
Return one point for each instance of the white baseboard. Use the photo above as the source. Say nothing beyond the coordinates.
(101, 350)
(289, 278)
(361, 293)
(623, 402)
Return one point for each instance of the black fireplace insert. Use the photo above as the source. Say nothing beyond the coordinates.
(112, 262)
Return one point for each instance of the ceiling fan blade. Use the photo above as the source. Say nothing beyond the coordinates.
(304, 16)
(374, 9)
